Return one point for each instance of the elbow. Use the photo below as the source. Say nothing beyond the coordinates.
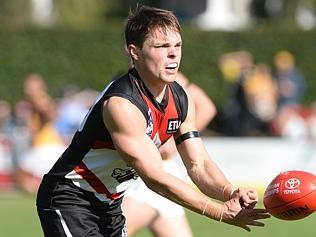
(194, 171)
(153, 183)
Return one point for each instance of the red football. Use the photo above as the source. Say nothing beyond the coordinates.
(291, 195)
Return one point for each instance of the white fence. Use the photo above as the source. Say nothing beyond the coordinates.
(256, 161)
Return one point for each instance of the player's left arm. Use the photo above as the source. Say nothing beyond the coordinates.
(203, 171)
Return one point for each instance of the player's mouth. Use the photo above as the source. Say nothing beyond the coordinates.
(172, 67)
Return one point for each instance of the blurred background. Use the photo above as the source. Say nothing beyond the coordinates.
(254, 58)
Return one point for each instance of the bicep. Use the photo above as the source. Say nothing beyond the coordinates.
(129, 136)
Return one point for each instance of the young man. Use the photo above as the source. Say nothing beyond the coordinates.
(158, 211)
(119, 139)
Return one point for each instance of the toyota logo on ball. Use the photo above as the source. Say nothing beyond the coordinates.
(292, 183)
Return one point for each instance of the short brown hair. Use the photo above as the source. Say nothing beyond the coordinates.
(144, 19)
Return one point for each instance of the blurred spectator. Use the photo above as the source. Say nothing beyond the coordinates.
(312, 122)
(205, 108)
(292, 119)
(252, 96)
(43, 127)
(6, 163)
(261, 94)
(44, 108)
(235, 65)
(47, 145)
(21, 134)
(5, 117)
(72, 108)
(71, 112)
(291, 83)
(291, 123)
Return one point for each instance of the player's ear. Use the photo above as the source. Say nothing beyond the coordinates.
(133, 51)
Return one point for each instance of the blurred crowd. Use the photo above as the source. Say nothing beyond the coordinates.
(266, 100)
(36, 130)
(262, 100)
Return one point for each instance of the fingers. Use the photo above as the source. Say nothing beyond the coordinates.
(247, 204)
(245, 228)
(247, 217)
(240, 210)
(253, 195)
(257, 223)
(253, 223)
(259, 210)
(248, 198)
(253, 214)
(250, 219)
(258, 214)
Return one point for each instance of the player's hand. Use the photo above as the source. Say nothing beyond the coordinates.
(248, 198)
(235, 214)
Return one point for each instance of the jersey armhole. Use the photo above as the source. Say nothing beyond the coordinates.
(181, 99)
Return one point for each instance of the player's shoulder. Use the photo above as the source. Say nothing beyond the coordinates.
(177, 89)
(118, 103)
(120, 112)
(120, 84)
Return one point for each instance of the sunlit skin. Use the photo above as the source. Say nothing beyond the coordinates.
(158, 61)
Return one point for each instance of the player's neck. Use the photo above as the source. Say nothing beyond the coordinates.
(156, 89)
(155, 86)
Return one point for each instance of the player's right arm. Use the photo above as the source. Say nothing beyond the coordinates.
(127, 126)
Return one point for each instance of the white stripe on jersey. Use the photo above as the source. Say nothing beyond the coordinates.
(63, 223)
(102, 163)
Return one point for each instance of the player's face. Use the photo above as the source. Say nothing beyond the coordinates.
(160, 56)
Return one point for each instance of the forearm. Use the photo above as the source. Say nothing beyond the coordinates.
(203, 171)
(230, 212)
(180, 192)
(208, 177)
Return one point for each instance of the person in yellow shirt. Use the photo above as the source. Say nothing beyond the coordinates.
(46, 144)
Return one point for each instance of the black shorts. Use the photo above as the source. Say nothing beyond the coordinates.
(66, 210)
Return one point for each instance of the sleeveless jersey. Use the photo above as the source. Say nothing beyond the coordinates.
(91, 161)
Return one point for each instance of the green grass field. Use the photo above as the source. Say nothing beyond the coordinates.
(18, 218)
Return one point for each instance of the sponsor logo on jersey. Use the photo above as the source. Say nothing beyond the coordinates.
(122, 175)
(173, 125)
